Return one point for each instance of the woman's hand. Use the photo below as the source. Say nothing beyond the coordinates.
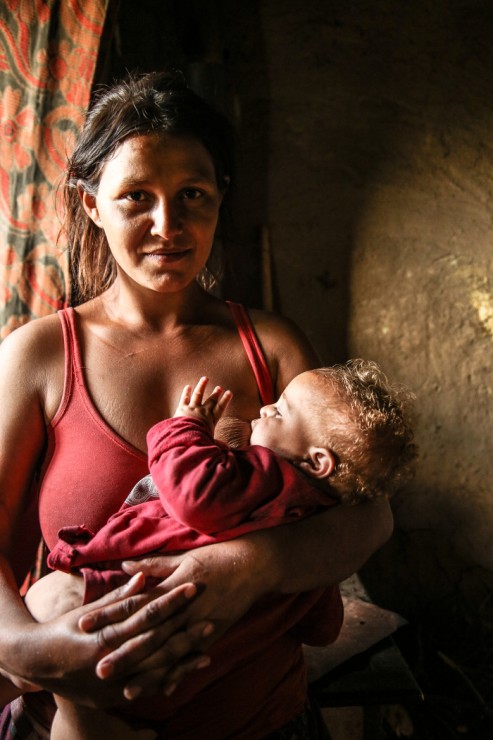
(158, 653)
(229, 579)
(61, 656)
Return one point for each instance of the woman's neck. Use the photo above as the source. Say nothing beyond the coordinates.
(155, 311)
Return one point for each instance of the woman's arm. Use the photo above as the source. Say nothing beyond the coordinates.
(28, 651)
(56, 655)
(232, 576)
(327, 548)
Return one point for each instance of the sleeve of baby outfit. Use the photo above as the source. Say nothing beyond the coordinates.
(214, 489)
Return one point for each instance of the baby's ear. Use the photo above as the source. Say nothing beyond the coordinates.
(321, 463)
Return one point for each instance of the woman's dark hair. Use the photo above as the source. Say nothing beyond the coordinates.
(150, 103)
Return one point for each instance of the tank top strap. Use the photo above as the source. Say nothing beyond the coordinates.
(72, 358)
(251, 344)
(253, 351)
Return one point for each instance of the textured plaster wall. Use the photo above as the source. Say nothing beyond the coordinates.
(422, 291)
(379, 191)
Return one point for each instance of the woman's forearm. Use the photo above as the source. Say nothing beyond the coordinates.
(326, 548)
(55, 655)
(14, 619)
(313, 553)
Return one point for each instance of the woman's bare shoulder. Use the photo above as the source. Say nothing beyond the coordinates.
(31, 359)
(41, 336)
(286, 346)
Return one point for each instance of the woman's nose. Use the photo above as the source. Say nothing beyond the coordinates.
(166, 221)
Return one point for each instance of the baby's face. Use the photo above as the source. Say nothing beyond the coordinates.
(288, 426)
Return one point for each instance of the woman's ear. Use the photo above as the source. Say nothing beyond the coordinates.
(89, 204)
(320, 464)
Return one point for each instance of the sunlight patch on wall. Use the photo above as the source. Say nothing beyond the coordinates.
(483, 303)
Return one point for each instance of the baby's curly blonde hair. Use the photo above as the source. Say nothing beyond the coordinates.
(371, 435)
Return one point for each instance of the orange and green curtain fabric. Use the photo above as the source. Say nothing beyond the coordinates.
(48, 54)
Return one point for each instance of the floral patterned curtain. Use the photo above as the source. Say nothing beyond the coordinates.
(48, 53)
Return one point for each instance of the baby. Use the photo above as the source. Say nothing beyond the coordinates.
(336, 435)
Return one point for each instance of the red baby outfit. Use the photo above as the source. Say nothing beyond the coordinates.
(207, 493)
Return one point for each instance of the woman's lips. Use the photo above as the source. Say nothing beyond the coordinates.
(168, 256)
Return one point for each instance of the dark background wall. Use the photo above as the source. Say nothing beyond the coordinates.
(366, 148)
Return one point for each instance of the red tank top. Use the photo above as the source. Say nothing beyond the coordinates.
(257, 677)
(88, 468)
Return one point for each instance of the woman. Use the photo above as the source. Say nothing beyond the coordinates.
(79, 391)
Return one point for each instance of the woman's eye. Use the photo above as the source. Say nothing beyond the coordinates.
(192, 194)
(135, 196)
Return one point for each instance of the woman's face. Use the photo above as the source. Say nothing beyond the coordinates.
(158, 203)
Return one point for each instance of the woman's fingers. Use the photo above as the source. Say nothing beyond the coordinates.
(141, 635)
(160, 566)
(115, 605)
(183, 667)
(160, 652)
(153, 650)
(151, 682)
(132, 616)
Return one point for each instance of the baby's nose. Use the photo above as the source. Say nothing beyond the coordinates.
(267, 411)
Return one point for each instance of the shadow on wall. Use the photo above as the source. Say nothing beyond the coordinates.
(422, 299)
(250, 104)
(314, 143)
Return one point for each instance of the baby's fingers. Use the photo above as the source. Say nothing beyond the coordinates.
(198, 392)
(185, 396)
(221, 404)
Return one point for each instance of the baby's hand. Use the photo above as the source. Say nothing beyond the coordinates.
(209, 411)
